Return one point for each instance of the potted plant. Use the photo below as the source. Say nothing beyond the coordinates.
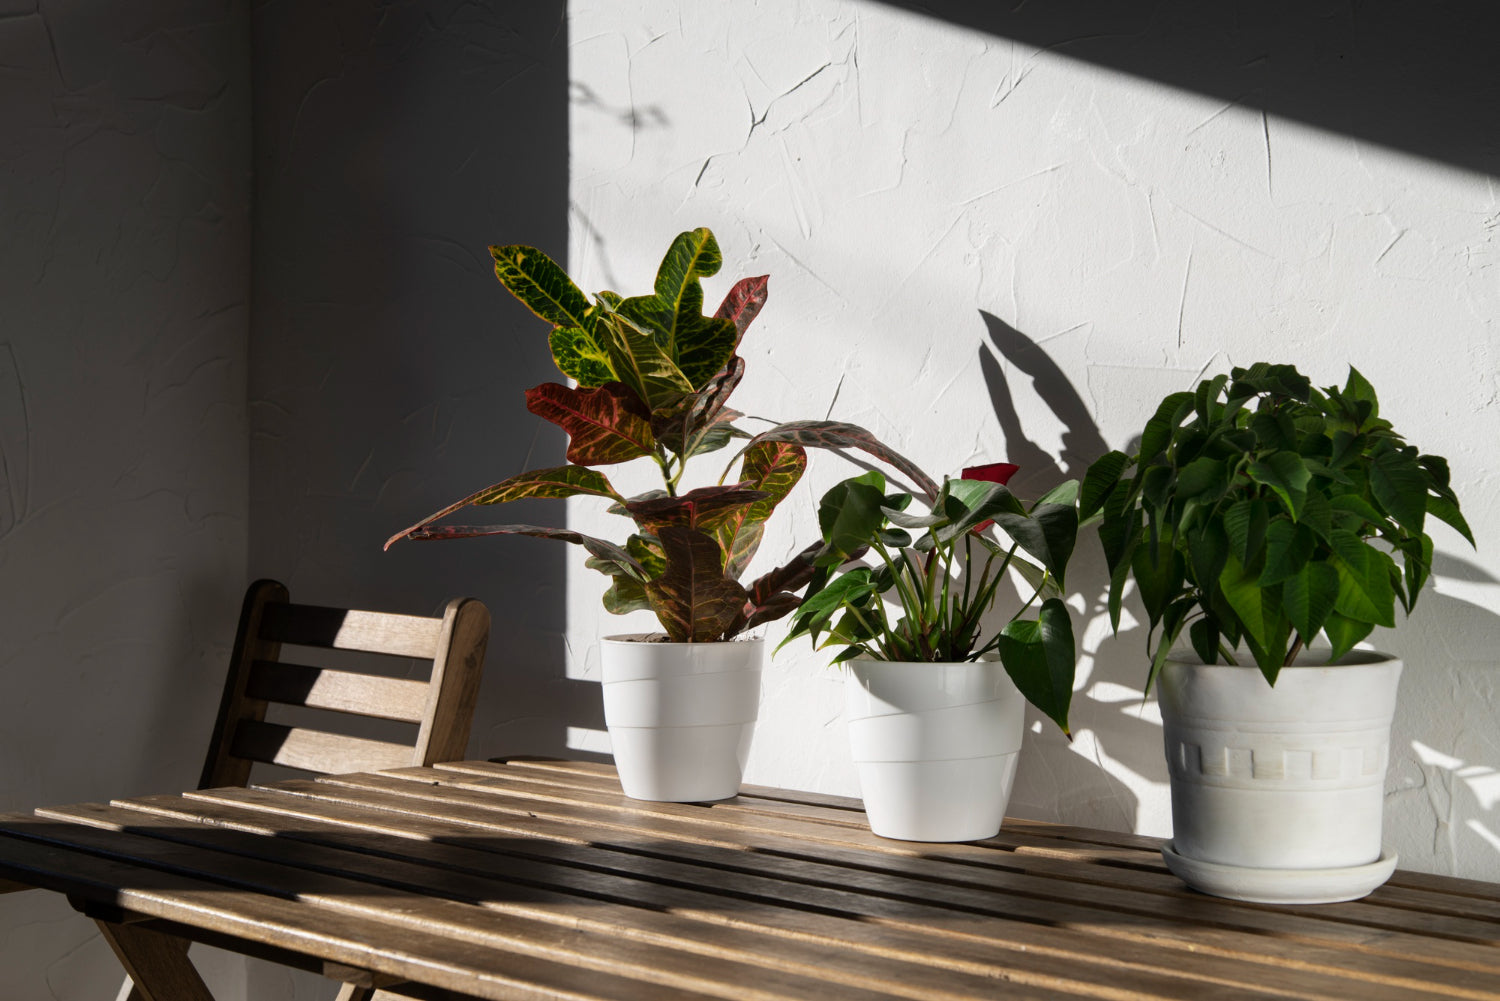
(653, 379)
(1258, 515)
(934, 706)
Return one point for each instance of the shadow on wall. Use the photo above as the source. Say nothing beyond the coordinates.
(1056, 780)
(1445, 806)
(1415, 77)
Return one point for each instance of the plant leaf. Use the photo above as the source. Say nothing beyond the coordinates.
(625, 594)
(1040, 656)
(1285, 474)
(605, 424)
(1400, 486)
(1308, 597)
(773, 468)
(1445, 510)
(1048, 533)
(578, 356)
(560, 481)
(850, 514)
(1099, 480)
(542, 286)
(743, 303)
(1160, 428)
(602, 550)
(640, 363)
(692, 598)
(1365, 592)
(838, 435)
(1343, 633)
(706, 508)
(1288, 548)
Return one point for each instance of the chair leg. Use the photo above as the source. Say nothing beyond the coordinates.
(157, 963)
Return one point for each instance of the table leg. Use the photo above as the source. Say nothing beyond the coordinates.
(157, 963)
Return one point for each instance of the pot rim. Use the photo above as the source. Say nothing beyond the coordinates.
(646, 639)
(1314, 658)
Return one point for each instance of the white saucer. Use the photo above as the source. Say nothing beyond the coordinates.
(1280, 886)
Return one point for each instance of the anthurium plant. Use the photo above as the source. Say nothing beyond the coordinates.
(653, 378)
(1260, 511)
(923, 597)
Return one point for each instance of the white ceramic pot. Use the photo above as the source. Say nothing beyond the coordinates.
(680, 715)
(1277, 792)
(935, 746)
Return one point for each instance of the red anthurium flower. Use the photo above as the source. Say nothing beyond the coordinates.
(994, 472)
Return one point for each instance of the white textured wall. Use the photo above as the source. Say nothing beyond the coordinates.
(124, 288)
(984, 250)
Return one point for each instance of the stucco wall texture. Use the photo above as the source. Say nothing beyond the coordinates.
(982, 250)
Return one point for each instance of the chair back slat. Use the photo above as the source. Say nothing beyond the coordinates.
(315, 750)
(442, 706)
(339, 691)
(351, 629)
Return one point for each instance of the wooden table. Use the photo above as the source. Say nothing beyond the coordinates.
(538, 879)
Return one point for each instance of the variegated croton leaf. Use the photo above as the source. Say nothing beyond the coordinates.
(559, 481)
(838, 435)
(605, 424)
(706, 508)
(692, 598)
(773, 467)
(605, 555)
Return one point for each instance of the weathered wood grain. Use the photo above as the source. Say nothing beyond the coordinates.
(539, 879)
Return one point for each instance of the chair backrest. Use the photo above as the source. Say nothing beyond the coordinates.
(442, 707)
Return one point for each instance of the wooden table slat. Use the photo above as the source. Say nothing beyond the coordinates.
(530, 879)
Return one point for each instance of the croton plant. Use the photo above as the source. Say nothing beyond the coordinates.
(653, 378)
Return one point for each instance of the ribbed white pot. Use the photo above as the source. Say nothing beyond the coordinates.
(935, 746)
(680, 715)
(1277, 793)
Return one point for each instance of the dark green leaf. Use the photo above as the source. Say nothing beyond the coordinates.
(1205, 639)
(1246, 522)
(625, 594)
(1446, 511)
(1365, 592)
(1343, 633)
(1400, 487)
(850, 513)
(1100, 479)
(579, 356)
(1040, 657)
(1048, 533)
(1308, 597)
(1203, 476)
(1285, 474)
(1162, 425)
(1158, 576)
(542, 286)
(1288, 547)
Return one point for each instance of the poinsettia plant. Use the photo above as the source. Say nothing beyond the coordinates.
(1261, 512)
(924, 597)
(653, 378)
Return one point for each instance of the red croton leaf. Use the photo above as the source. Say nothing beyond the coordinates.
(605, 424)
(559, 481)
(705, 508)
(692, 598)
(744, 302)
(838, 435)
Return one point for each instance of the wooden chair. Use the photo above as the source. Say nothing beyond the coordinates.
(442, 706)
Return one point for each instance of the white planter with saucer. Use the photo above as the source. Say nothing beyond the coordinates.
(680, 715)
(935, 746)
(1277, 792)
